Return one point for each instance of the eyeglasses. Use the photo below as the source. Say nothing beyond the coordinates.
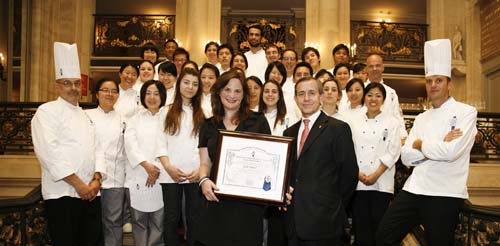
(67, 83)
(108, 91)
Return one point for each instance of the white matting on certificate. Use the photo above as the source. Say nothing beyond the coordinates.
(253, 166)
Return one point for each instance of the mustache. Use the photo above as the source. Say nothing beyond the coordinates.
(74, 93)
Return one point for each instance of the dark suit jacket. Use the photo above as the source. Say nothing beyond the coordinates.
(324, 178)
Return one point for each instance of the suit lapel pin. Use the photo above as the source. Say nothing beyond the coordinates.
(320, 126)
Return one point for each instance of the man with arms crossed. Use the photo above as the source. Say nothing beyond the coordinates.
(324, 171)
(439, 146)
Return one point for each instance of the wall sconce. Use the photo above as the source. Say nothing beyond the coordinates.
(352, 49)
(311, 44)
(1, 67)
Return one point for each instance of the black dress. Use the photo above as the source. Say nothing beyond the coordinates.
(230, 222)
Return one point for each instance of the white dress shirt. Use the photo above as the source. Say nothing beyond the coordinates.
(312, 120)
(446, 169)
(257, 64)
(110, 152)
(376, 141)
(181, 148)
(63, 137)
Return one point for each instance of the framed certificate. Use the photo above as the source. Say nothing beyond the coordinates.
(251, 166)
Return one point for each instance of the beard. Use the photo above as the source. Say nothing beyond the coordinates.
(254, 44)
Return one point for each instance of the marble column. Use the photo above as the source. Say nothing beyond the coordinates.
(443, 16)
(195, 23)
(69, 21)
(328, 24)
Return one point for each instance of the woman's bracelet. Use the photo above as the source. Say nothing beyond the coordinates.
(203, 179)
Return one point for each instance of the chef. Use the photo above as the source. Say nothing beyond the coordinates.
(439, 146)
(63, 138)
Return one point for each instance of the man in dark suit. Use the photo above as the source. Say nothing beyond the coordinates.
(324, 171)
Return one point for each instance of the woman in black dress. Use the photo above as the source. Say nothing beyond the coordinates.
(224, 221)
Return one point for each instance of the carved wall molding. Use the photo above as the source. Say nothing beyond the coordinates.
(124, 35)
(395, 42)
(279, 27)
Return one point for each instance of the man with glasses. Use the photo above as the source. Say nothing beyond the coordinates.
(63, 137)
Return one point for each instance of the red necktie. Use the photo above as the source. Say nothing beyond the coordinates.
(305, 133)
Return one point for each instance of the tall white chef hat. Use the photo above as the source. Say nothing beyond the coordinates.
(66, 60)
(437, 57)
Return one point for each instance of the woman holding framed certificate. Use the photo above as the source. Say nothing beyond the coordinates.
(227, 221)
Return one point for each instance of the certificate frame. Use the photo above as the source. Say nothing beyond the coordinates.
(253, 167)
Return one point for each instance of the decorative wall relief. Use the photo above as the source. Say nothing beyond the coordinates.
(278, 31)
(395, 42)
(124, 35)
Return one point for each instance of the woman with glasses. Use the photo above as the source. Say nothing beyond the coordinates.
(109, 129)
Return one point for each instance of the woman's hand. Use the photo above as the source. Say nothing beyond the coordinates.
(176, 174)
(194, 176)
(153, 173)
(207, 188)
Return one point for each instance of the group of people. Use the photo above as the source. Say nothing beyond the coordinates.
(146, 153)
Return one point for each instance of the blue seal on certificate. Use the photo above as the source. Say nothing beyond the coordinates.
(267, 183)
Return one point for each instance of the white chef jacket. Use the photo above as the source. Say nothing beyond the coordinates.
(128, 103)
(110, 152)
(289, 96)
(157, 69)
(63, 137)
(391, 106)
(170, 95)
(140, 145)
(257, 64)
(376, 141)
(281, 126)
(344, 101)
(206, 105)
(181, 148)
(351, 113)
(446, 170)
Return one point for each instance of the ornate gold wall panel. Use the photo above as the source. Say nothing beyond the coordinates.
(280, 31)
(395, 42)
(124, 35)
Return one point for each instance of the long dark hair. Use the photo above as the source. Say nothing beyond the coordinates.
(217, 107)
(280, 105)
(174, 115)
